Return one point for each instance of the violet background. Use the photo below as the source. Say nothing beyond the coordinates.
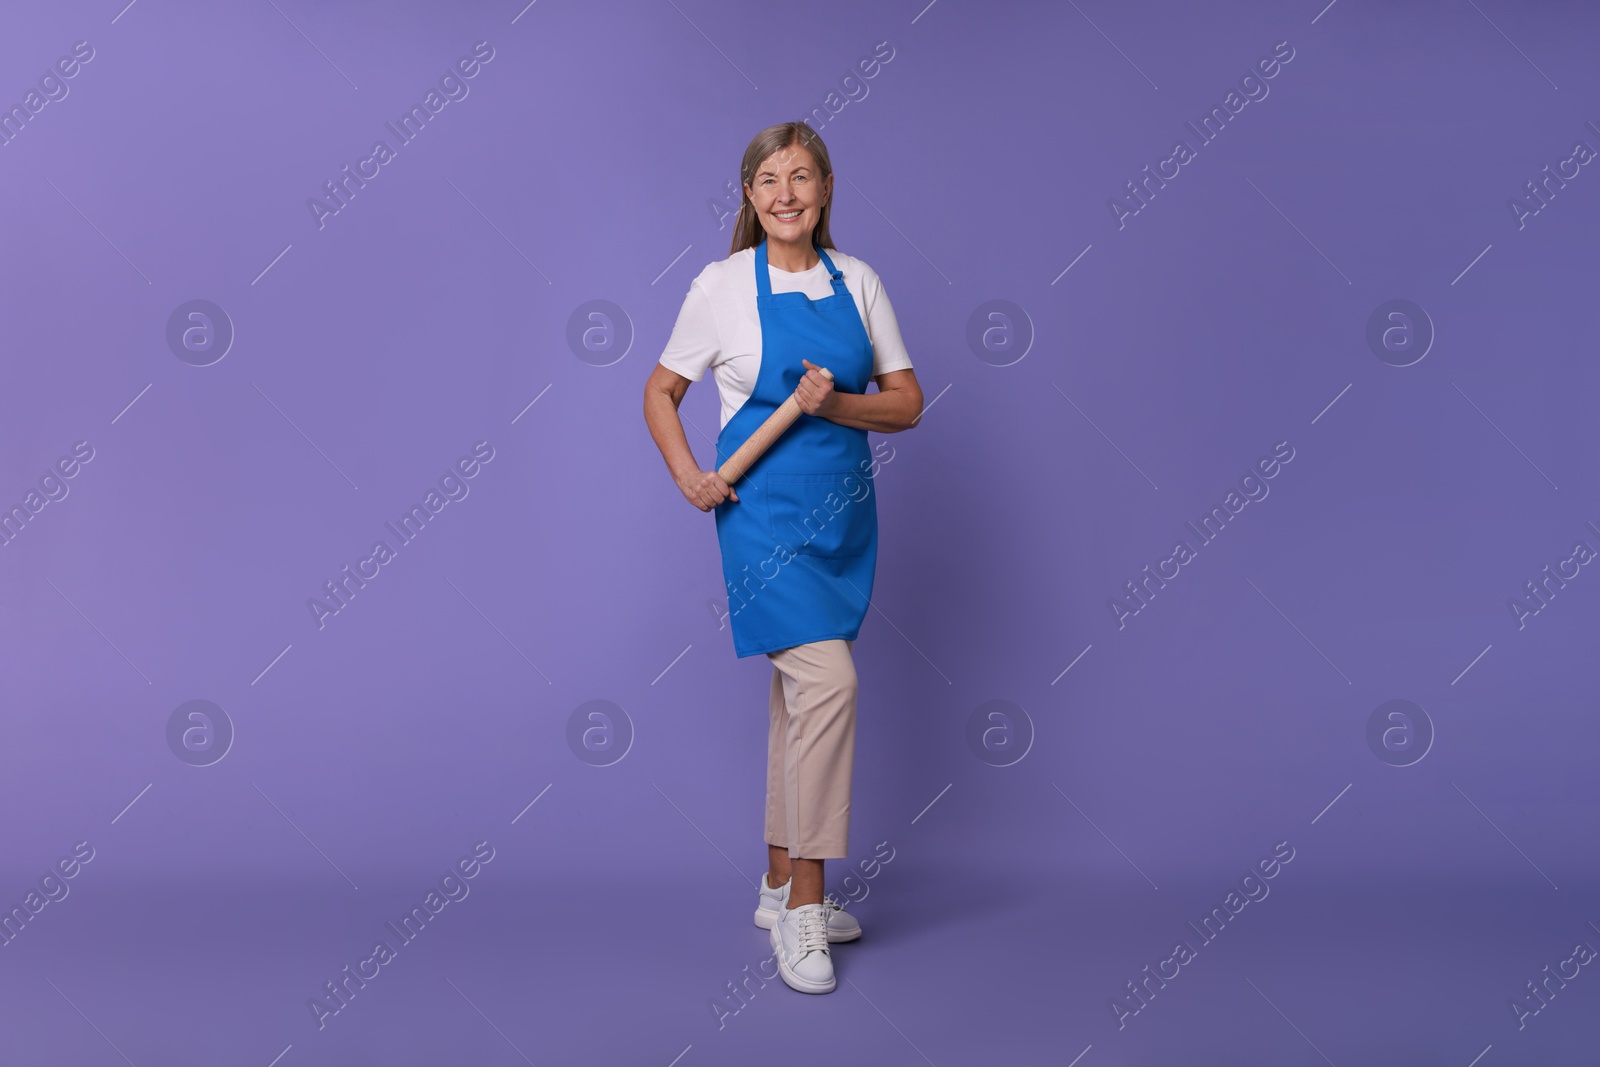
(1229, 715)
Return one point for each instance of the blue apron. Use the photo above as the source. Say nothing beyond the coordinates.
(800, 547)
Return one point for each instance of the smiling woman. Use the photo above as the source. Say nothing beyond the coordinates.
(785, 307)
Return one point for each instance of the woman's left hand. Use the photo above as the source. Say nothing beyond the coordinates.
(815, 391)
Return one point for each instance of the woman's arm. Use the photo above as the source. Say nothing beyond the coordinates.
(896, 406)
(663, 392)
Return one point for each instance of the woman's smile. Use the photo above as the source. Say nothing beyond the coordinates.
(791, 202)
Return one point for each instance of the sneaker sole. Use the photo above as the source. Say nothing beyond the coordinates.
(766, 918)
(792, 980)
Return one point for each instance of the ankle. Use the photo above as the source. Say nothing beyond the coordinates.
(774, 882)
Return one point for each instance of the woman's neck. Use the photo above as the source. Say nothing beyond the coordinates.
(791, 257)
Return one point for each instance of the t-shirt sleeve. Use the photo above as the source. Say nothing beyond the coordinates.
(883, 329)
(694, 344)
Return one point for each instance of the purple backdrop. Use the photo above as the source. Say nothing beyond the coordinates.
(1339, 346)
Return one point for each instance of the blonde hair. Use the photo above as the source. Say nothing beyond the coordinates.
(747, 231)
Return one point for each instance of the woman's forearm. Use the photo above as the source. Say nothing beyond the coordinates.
(881, 412)
(661, 415)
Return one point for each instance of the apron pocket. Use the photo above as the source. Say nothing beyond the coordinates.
(824, 514)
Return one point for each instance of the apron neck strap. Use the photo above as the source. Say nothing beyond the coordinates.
(833, 272)
(764, 281)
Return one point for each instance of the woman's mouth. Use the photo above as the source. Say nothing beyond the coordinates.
(786, 216)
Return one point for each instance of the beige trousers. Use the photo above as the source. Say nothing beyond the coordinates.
(811, 749)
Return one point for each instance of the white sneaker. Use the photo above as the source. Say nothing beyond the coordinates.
(800, 945)
(842, 926)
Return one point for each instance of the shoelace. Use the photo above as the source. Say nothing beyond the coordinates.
(813, 932)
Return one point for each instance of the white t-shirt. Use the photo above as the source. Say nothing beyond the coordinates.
(719, 327)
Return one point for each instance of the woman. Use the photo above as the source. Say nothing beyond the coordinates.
(800, 549)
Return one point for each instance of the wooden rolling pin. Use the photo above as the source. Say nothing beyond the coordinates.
(745, 455)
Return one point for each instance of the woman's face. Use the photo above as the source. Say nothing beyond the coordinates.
(788, 196)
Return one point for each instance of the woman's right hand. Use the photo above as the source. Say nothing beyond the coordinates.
(706, 489)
